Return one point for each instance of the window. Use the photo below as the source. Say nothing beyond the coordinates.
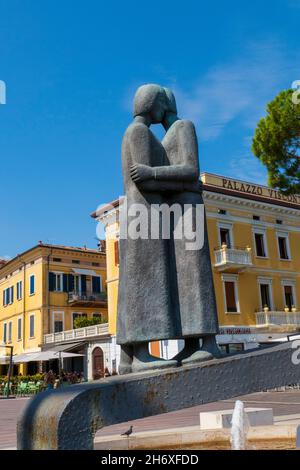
(97, 284)
(5, 333)
(19, 290)
(279, 222)
(222, 211)
(283, 247)
(260, 245)
(225, 237)
(256, 217)
(231, 293)
(58, 282)
(75, 261)
(19, 329)
(31, 285)
(230, 297)
(265, 295)
(10, 332)
(58, 322)
(288, 296)
(289, 293)
(31, 326)
(225, 234)
(265, 292)
(77, 284)
(8, 296)
(96, 264)
(57, 260)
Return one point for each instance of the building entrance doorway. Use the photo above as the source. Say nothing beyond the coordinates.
(98, 363)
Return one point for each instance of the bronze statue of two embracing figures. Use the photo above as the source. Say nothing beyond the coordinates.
(166, 286)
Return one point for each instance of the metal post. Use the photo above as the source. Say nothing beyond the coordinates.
(10, 370)
(59, 367)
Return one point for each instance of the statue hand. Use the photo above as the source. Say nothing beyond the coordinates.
(140, 173)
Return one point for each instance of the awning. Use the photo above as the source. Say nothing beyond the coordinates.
(4, 360)
(66, 347)
(42, 356)
(86, 272)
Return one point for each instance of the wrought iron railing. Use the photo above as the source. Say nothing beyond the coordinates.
(87, 296)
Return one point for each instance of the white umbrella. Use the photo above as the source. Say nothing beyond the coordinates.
(43, 356)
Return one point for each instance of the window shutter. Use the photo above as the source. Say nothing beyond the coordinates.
(65, 282)
(12, 294)
(96, 285)
(51, 282)
(83, 283)
(70, 283)
(4, 297)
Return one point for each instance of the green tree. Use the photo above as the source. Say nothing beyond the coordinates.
(276, 142)
(81, 322)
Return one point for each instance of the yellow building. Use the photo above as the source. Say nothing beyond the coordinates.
(43, 291)
(254, 236)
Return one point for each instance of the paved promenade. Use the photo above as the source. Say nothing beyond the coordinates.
(286, 408)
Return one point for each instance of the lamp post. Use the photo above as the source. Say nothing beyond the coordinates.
(10, 367)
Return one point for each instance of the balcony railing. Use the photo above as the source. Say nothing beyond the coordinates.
(278, 318)
(232, 258)
(77, 334)
(87, 297)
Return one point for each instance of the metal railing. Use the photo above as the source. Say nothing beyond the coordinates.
(278, 318)
(79, 333)
(87, 296)
(237, 256)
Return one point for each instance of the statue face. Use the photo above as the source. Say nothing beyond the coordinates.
(159, 108)
(151, 100)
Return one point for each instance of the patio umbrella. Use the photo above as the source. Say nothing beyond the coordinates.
(43, 356)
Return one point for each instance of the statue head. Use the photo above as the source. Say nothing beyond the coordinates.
(171, 102)
(150, 100)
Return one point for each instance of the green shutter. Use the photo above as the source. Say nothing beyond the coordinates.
(70, 283)
(65, 282)
(51, 282)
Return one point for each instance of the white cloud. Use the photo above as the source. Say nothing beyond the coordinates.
(239, 89)
(247, 168)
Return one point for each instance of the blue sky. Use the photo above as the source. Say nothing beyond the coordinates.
(71, 68)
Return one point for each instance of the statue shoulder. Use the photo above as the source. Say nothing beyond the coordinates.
(185, 125)
(136, 130)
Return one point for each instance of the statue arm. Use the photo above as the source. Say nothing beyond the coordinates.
(188, 149)
(187, 172)
(140, 149)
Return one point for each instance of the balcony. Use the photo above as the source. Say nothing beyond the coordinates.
(278, 320)
(232, 259)
(77, 334)
(87, 299)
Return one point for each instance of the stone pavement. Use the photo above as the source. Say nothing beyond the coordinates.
(286, 408)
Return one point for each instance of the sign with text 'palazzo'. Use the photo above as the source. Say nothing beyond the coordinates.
(253, 190)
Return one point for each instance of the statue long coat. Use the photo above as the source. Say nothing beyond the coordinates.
(144, 302)
(165, 291)
(195, 303)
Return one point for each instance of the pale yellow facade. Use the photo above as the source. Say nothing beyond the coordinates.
(256, 269)
(31, 308)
